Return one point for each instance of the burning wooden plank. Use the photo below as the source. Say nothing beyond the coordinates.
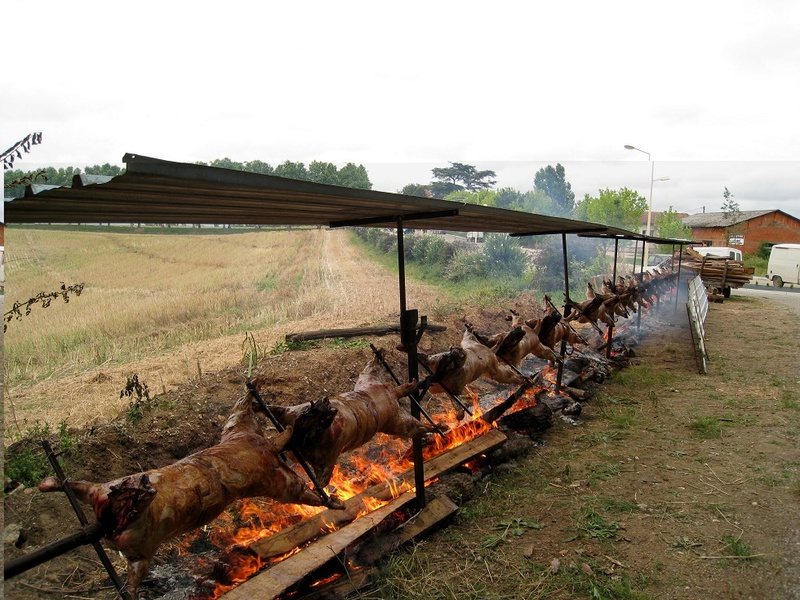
(436, 511)
(301, 533)
(280, 577)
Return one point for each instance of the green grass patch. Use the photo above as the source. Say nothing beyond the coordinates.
(509, 529)
(604, 472)
(622, 419)
(642, 377)
(734, 546)
(707, 428)
(347, 343)
(596, 525)
(26, 462)
(789, 400)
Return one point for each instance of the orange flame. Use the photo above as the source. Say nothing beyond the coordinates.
(382, 460)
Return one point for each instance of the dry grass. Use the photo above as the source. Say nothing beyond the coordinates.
(170, 306)
(149, 293)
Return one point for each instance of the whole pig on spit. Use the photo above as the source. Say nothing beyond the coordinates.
(372, 407)
(140, 511)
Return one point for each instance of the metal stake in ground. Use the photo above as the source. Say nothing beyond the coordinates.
(89, 534)
(447, 391)
(411, 397)
(298, 455)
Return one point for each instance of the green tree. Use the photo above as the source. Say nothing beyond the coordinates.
(257, 166)
(553, 182)
(732, 217)
(538, 202)
(730, 208)
(227, 163)
(621, 208)
(504, 256)
(292, 170)
(416, 189)
(484, 197)
(459, 176)
(354, 176)
(323, 172)
(508, 198)
(106, 169)
(670, 225)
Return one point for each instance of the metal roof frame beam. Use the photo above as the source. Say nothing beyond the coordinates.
(393, 218)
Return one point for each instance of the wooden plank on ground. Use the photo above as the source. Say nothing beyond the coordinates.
(283, 575)
(436, 510)
(351, 332)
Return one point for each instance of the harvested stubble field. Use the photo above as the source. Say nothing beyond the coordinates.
(672, 484)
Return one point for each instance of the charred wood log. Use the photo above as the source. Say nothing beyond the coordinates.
(538, 417)
(351, 332)
(496, 412)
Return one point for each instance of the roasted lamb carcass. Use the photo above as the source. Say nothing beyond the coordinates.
(478, 361)
(513, 348)
(372, 407)
(611, 300)
(141, 511)
(589, 311)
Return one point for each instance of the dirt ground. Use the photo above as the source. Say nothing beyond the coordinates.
(695, 478)
(674, 485)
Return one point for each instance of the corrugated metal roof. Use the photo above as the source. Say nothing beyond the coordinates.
(718, 219)
(158, 191)
(623, 234)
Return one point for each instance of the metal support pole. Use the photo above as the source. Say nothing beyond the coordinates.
(613, 290)
(408, 337)
(88, 534)
(650, 206)
(98, 547)
(649, 300)
(563, 350)
(678, 282)
(677, 287)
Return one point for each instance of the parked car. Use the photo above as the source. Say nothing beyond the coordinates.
(784, 264)
(656, 261)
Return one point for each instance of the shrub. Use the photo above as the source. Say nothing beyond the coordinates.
(432, 251)
(503, 256)
(466, 265)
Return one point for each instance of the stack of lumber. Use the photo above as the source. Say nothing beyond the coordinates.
(716, 271)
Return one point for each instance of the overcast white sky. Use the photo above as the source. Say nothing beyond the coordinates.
(711, 90)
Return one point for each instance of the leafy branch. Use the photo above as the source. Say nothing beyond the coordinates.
(139, 394)
(9, 156)
(20, 309)
(29, 179)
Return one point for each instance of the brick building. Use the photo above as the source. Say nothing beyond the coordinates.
(749, 231)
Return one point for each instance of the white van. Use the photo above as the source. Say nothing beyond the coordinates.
(721, 251)
(784, 264)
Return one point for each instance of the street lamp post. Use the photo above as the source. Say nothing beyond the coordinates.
(650, 201)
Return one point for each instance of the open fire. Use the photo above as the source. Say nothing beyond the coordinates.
(384, 460)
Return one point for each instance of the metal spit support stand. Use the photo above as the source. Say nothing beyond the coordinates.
(88, 534)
